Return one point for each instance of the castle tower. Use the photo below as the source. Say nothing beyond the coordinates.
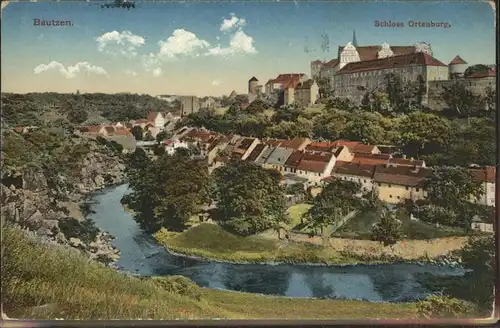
(354, 39)
(253, 84)
(457, 67)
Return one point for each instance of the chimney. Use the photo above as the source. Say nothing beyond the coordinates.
(404, 156)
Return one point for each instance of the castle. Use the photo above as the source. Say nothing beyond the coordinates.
(361, 69)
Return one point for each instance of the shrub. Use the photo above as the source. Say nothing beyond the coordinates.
(85, 230)
(178, 285)
(437, 306)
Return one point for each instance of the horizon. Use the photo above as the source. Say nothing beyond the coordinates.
(211, 49)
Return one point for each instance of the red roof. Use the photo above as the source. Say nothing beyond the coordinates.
(361, 170)
(141, 121)
(317, 61)
(328, 179)
(400, 175)
(400, 61)
(406, 162)
(327, 146)
(363, 149)
(346, 143)
(314, 161)
(294, 143)
(457, 61)
(480, 75)
(371, 159)
(293, 160)
(487, 174)
(90, 128)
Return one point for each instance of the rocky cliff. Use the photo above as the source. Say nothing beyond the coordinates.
(48, 200)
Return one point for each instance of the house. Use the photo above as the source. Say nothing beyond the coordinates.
(278, 158)
(208, 103)
(282, 80)
(90, 130)
(189, 105)
(341, 153)
(487, 176)
(371, 159)
(264, 155)
(406, 162)
(315, 166)
(295, 143)
(293, 161)
(272, 142)
(357, 147)
(173, 144)
(256, 152)
(355, 172)
(479, 225)
(219, 160)
(304, 93)
(122, 131)
(157, 119)
(142, 123)
(396, 184)
(243, 148)
(214, 147)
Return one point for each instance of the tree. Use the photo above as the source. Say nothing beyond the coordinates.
(461, 101)
(388, 229)
(423, 134)
(166, 198)
(257, 106)
(149, 136)
(475, 69)
(478, 256)
(137, 132)
(377, 102)
(365, 128)
(404, 97)
(162, 135)
(249, 198)
(336, 200)
(452, 186)
(437, 306)
(77, 116)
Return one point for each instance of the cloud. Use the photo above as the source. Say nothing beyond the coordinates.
(232, 23)
(157, 72)
(216, 82)
(240, 43)
(116, 43)
(71, 71)
(182, 43)
(130, 72)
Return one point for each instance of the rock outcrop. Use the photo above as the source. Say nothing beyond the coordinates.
(39, 199)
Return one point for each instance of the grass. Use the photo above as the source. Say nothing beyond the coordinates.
(314, 110)
(221, 110)
(296, 211)
(212, 242)
(44, 281)
(360, 227)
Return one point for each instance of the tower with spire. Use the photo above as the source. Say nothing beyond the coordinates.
(354, 40)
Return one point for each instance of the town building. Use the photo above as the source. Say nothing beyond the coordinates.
(296, 143)
(282, 80)
(355, 172)
(189, 105)
(172, 145)
(395, 184)
(487, 177)
(304, 94)
(315, 166)
(243, 148)
(254, 89)
(278, 158)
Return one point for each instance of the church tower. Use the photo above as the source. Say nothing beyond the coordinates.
(354, 40)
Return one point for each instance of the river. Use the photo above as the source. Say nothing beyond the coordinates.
(141, 255)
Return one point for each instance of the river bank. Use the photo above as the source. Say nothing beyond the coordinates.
(210, 242)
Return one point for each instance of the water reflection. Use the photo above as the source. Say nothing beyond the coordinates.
(141, 255)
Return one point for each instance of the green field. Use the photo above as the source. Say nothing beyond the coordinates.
(360, 227)
(42, 281)
(296, 211)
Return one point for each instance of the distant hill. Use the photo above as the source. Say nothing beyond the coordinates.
(40, 108)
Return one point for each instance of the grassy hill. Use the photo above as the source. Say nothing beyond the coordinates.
(360, 227)
(43, 281)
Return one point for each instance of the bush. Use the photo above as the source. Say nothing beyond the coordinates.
(85, 230)
(435, 214)
(437, 306)
(178, 285)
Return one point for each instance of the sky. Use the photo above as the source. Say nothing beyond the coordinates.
(213, 48)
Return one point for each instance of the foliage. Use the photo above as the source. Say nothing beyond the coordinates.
(461, 102)
(388, 229)
(179, 285)
(336, 200)
(436, 306)
(77, 116)
(149, 136)
(34, 273)
(257, 106)
(137, 132)
(249, 198)
(366, 128)
(478, 255)
(85, 230)
(404, 97)
(166, 192)
(475, 69)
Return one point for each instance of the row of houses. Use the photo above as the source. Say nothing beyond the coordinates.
(396, 179)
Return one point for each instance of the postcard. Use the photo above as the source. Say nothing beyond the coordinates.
(248, 160)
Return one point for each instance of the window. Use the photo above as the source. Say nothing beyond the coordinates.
(390, 196)
(398, 197)
(406, 188)
(389, 185)
(417, 189)
(364, 181)
(379, 184)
